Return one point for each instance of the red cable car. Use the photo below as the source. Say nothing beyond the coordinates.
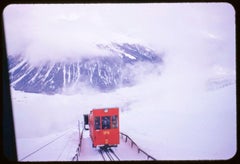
(104, 127)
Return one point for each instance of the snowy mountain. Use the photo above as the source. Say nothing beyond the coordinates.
(101, 72)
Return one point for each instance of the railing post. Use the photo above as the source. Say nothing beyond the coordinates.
(79, 130)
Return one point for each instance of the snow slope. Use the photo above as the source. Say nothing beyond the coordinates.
(54, 147)
(193, 127)
(165, 119)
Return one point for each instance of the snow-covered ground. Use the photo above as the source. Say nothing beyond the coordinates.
(170, 119)
(55, 147)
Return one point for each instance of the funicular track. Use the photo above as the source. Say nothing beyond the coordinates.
(108, 154)
(105, 153)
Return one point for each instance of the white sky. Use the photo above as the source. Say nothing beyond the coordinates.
(197, 31)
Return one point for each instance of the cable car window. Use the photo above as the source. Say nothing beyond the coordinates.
(97, 123)
(106, 122)
(114, 121)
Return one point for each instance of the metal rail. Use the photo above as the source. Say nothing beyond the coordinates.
(133, 143)
(110, 154)
(110, 150)
(100, 151)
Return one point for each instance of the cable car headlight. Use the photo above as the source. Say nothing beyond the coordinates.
(106, 110)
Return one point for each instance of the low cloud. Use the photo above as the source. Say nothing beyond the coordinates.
(201, 33)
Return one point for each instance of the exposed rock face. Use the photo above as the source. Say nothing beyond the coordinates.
(103, 72)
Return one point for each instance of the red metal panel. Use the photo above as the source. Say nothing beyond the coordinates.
(104, 136)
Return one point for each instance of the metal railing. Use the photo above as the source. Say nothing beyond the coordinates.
(133, 143)
(76, 156)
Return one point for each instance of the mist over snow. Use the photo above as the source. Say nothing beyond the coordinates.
(184, 109)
